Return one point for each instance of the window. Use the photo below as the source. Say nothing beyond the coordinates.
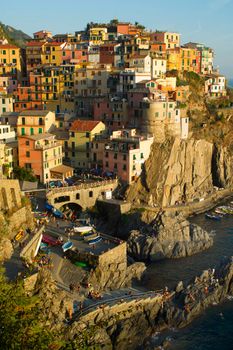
(115, 155)
(106, 164)
(90, 194)
(134, 167)
(23, 131)
(142, 156)
(78, 196)
(27, 143)
(72, 134)
(73, 145)
(23, 121)
(28, 154)
(53, 57)
(31, 131)
(124, 167)
(87, 134)
(106, 154)
(134, 157)
(73, 154)
(124, 157)
(14, 60)
(3, 101)
(115, 166)
(87, 155)
(40, 130)
(156, 114)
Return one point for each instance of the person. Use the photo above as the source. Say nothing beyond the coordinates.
(71, 287)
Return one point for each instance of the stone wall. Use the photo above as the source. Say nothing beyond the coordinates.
(20, 219)
(10, 196)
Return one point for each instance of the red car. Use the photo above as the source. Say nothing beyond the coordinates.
(51, 240)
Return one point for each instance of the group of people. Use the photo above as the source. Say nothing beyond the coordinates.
(94, 295)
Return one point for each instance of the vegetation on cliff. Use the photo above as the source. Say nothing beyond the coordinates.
(13, 36)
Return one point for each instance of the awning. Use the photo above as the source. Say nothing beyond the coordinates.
(61, 172)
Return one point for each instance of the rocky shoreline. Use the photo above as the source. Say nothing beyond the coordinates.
(169, 235)
(118, 328)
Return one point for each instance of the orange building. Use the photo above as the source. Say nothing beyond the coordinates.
(41, 153)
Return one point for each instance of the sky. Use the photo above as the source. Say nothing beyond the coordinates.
(205, 21)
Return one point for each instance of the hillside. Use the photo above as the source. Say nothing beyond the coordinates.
(14, 36)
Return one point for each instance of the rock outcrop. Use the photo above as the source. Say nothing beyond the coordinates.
(127, 325)
(170, 235)
(182, 170)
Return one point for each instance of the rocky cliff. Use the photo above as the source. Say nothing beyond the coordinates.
(181, 171)
(126, 325)
(169, 235)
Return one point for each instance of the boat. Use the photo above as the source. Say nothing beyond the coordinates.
(83, 229)
(213, 217)
(44, 247)
(51, 240)
(220, 211)
(19, 235)
(81, 264)
(68, 245)
(89, 238)
(95, 240)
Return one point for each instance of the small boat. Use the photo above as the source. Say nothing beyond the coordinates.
(80, 264)
(68, 245)
(220, 211)
(83, 229)
(95, 240)
(89, 238)
(213, 217)
(51, 240)
(19, 235)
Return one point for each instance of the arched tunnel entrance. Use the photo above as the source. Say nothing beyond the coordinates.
(71, 210)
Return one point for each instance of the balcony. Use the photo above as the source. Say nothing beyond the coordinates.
(51, 145)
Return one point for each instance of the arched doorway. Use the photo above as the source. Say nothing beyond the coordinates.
(72, 210)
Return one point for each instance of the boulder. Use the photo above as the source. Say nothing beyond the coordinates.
(172, 237)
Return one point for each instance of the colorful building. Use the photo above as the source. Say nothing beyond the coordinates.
(10, 61)
(6, 103)
(171, 39)
(40, 153)
(215, 85)
(35, 122)
(81, 135)
(125, 153)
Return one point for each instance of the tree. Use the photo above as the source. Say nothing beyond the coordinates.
(24, 174)
(21, 320)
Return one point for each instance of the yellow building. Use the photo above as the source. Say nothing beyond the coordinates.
(98, 35)
(52, 53)
(10, 60)
(82, 133)
(188, 59)
(173, 59)
(8, 158)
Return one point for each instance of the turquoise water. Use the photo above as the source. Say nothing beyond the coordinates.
(214, 329)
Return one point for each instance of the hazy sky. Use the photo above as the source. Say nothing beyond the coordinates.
(205, 21)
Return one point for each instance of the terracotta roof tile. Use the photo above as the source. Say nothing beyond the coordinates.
(35, 43)
(8, 46)
(84, 125)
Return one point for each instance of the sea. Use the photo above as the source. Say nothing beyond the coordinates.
(213, 330)
(230, 83)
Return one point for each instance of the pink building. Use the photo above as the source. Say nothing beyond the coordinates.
(124, 153)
